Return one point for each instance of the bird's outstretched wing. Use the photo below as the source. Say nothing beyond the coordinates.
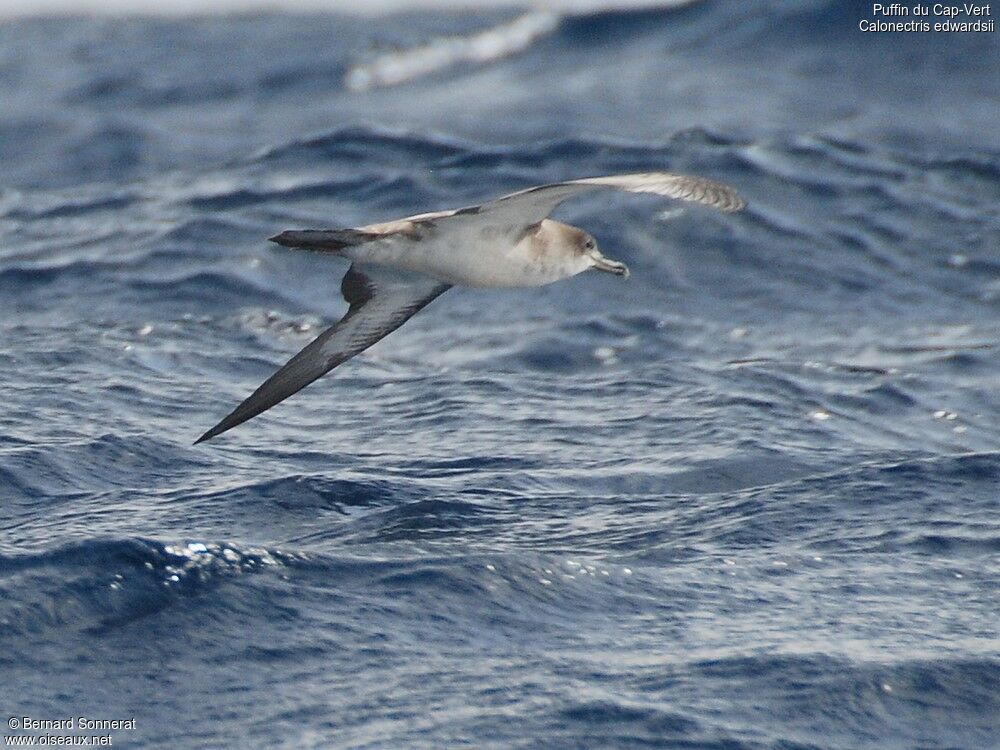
(522, 209)
(534, 204)
(381, 300)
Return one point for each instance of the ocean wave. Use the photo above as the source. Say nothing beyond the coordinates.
(97, 585)
(133, 8)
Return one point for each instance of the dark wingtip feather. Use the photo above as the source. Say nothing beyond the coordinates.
(250, 408)
(217, 430)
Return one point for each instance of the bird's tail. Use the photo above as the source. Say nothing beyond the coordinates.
(322, 240)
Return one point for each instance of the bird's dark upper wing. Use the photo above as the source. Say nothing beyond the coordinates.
(381, 300)
(527, 207)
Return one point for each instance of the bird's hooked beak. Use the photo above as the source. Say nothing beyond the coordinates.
(601, 263)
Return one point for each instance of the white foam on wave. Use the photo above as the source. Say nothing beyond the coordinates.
(386, 69)
(494, 43)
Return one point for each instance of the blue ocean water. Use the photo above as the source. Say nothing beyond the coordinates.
(746, 499)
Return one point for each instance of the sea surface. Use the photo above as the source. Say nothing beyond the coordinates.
(748, 498)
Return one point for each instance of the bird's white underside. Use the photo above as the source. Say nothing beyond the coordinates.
(485, 245)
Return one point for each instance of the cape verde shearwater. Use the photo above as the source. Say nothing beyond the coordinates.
(398, 267)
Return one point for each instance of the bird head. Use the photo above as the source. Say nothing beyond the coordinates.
(587, 246)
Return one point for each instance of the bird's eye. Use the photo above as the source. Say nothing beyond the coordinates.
(589, 244)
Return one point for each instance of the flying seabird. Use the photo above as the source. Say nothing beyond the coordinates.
(398, 267)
